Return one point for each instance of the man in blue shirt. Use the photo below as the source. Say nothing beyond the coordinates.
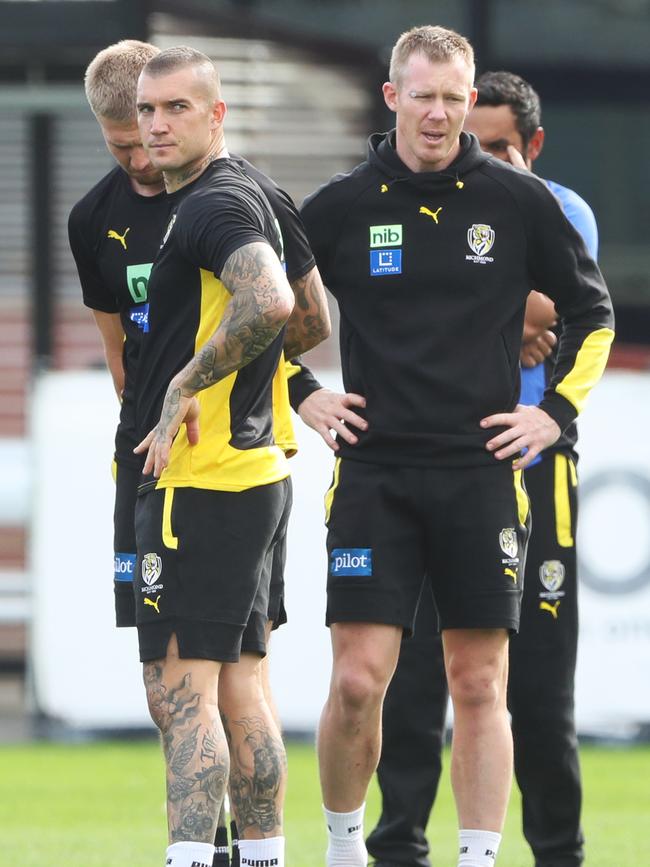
(506, 120)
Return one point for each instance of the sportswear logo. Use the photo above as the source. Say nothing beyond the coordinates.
(153, 604)
(151, 568)
(354, 828)
(351, 561)
(199, 864)
(124, 566)
(480, 238)
(259, 862)
(490, 853)
(546, 606)
(551, 574)
(385, 262)
(383, 188)
(386, 236)
(511, 573)
(169, 228)
(117, 237)
(432, 214)
(508, 541)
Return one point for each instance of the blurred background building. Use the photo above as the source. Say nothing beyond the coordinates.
(302, 81)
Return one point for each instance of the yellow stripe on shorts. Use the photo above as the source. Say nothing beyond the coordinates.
(523, 503)
(562, 501)
(169, 540)
(329, 496)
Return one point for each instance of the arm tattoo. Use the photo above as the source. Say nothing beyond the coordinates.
(252, 320)
(257, 774)
(196, 755)
(309, 323)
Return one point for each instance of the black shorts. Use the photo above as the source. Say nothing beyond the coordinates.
(276, 612)
(127, 479)
(390, 526)
(204, 568)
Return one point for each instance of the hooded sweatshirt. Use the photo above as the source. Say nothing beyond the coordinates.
(431, 271)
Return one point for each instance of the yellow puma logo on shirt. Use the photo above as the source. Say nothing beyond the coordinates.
(432, 214)
(512, 574)
(546, 606)
(116, 237)
(153, 604)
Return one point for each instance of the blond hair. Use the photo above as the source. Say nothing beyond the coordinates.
(181, 57)
(435, 43)
(112, 76)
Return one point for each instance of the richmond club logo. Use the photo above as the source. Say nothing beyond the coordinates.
(480, 238)
(151, 568)
(551, 574)
(508, 541)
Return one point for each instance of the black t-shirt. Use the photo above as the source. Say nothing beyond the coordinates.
(114, 235)
(220, 212)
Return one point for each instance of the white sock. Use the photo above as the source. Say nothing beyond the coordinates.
(478, 848)
(262, 853)
(190, 854)
(346, 847)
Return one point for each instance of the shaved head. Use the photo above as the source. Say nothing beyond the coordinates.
(184, 57)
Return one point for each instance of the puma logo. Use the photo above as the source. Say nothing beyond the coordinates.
(546, 606)
(153, 604)
(432, 214)
(383, 188)
(121, 238)
(511, 573)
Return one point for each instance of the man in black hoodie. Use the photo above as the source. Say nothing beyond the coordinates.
(431, 248)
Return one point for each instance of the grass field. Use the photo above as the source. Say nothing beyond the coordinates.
(102, 805)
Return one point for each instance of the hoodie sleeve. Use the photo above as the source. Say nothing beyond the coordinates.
(562, 268)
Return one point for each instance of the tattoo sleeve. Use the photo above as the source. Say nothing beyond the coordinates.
(309, 323)
(260, 305)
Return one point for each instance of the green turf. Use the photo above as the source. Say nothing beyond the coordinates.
(102, 805)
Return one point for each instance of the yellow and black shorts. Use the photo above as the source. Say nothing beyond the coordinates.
(391, 528)
(204, 568)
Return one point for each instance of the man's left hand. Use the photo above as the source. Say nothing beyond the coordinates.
(528, 427)
(176, 410)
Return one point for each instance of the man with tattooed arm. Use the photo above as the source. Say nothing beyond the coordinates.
(214, 500)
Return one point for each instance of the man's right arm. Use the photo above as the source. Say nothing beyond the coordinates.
(112, 334)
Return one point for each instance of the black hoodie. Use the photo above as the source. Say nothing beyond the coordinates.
(431, 271)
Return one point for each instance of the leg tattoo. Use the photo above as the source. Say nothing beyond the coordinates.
(196, 755)
(257, 775)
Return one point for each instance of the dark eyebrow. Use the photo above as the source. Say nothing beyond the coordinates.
(499, 144)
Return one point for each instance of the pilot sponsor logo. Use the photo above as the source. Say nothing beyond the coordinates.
(480, 238)
(124, 566)
(351, 561)
(385, 262)
(386, 236)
